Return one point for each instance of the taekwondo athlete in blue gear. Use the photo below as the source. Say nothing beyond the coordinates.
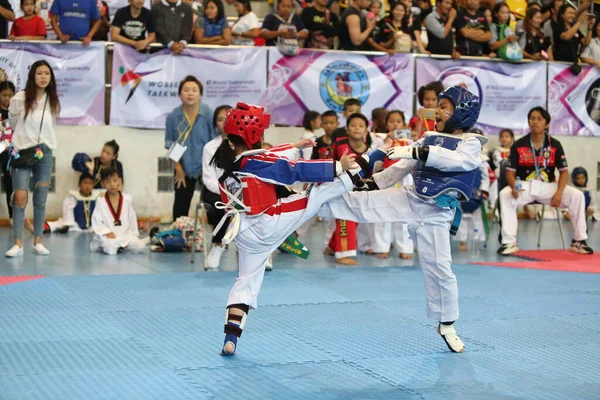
(444, 165)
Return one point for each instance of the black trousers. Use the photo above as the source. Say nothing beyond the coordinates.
(183, 197)
(7, 179)
(214, 214)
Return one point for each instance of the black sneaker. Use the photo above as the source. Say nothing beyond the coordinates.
(581, 247)
(508, 249)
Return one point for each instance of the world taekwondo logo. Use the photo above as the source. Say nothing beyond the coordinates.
(342, 80)
(132, 79)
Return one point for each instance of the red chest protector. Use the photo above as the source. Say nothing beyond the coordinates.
(256, 196)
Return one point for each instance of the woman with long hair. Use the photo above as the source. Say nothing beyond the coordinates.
(212, 28)
(533, 42)
(33, 113)
(246, 28)
(393, 34)
(568, 36)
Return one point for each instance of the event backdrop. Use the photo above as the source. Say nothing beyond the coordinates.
(145, 86)
(79, 73)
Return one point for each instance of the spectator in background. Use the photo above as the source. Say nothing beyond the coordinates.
(30, 26)
(187, 126)
(567, 36)
(104, 28)
(246, 28)
(377, 9)
(7, 91)
(378, 120)
(212, 27)
(393, 34)
(134, 26)
(322, 25)
(355, 28)
(413, 21)
(174, 22)
(486, 46)
(499, 28)
(6, 14)
(472, 30)
(439, 29)
(284, 24)
(425, 7)
(530, 5)
(591, 53)
(428, 98)
(71, 20)
(351, 106)
(533, 42)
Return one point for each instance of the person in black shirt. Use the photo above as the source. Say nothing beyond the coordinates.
(6, 14)
(532, 41)
(351, 106)
(439, 29)
(270, 28)
(568, 37)
(530, 177)
(7, 91)
(413, 21)
(354, 28)
(322, 25)
(393, 34)
(134, 26)
(323, 148)
(472, 30)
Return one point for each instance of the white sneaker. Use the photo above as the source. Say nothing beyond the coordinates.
(448, 333)
(40, 250)
(269, 265)
(508, 249)
(14, 251)
(214, 257)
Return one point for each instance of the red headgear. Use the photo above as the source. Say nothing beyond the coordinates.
(248, 122)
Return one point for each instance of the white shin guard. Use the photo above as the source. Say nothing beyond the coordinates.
(452, 340)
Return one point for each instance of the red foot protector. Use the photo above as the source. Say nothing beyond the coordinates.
(9, 280)
(552, 260)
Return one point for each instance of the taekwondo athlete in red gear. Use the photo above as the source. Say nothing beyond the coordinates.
(443, 166)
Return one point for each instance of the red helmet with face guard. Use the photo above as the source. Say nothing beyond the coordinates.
(248, 122)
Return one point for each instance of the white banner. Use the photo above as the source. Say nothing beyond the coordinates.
(321, 81)
(79, 72)
(145, 86)
(507, 91)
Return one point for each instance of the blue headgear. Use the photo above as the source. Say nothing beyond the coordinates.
(466, 108)
(79, 161)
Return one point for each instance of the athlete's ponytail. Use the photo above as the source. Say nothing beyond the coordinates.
(224, 157)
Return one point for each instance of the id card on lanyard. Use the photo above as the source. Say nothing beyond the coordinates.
(536, 184)
(177, 149)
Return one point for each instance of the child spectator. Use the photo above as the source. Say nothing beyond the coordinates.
(425, 119)
(579, 176)
(134, 26)
(212, 27)
(310, 123)
(107, 159)
(496, 156)
(114, 221)
(351, 106)
(210, 189)
(7, 91)
(78, 208)
(329, 121)
(378, 120)
(30, 26)
(71, 20)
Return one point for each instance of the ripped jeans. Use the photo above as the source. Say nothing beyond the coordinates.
(41, 173)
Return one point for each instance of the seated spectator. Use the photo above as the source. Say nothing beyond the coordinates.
(114, 221)
(71, 20)
(439, 29)
(212, 28)
(579, 177)
(393, 34)
(355, 28)
(108, 159)
(134, 26)
(533, 42)
(322, 25)
(101, 34)
(530, 177)
(6, 14)
(246, 28)
(284, 28)
(567, 36)
(591, 53)
(174, 22)
(472, 30)
(30, 26)
(504, 41)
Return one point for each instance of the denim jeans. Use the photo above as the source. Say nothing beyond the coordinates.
(41, 173)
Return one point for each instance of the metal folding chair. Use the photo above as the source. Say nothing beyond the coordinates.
(560, 227)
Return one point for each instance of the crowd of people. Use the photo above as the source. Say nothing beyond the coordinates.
(554, 30)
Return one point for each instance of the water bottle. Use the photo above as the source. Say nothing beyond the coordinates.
(475, 243)
(518, 185)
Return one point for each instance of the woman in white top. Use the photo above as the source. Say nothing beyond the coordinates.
(246, 28)
(33, 112)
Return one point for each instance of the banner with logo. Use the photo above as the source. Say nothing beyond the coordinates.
(321, 81)
(574, 100)
(79, 72)
(507, 91)
(145, 86)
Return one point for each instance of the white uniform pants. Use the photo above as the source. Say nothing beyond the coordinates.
(364, 235)
(260, 235)
(428, 225)
(572, 199)
(111, 246)
(59, 223)
(395, 233)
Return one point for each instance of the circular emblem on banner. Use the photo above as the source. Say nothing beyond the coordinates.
(343, 80)
(461, 77)
(592, 101)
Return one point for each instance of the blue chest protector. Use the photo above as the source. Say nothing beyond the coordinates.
(83, 213)
(433, 183)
